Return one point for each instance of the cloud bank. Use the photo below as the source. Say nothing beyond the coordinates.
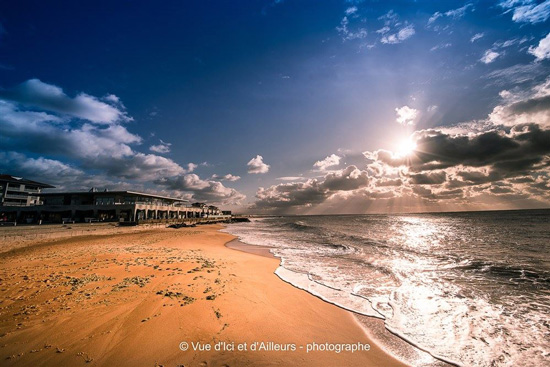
(82, 141)
(502, 162)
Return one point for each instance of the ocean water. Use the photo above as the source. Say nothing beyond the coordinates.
(470, 288)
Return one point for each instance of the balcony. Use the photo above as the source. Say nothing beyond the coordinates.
(14, 203)
(18, 189)
(16, 196)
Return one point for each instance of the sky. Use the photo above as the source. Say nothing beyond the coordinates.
(282, 106)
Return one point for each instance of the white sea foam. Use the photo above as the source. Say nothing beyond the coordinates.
(457, 286)
(337, 297)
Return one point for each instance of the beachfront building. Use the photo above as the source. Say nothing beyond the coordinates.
(24, 202)
(20, 192)
(207, 210)
(106, 205)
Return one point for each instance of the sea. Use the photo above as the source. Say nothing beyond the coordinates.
(469, 288)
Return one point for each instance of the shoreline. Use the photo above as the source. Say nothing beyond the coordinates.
(131, 299)
(373, 327)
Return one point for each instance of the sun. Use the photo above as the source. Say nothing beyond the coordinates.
(405, 148)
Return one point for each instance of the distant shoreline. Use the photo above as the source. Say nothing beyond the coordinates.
(396, 213)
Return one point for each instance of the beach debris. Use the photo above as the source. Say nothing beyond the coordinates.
(127, 282)
(184, 299)
(76, 283)
(86, 357)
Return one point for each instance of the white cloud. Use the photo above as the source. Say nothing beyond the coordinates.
(291, 178)
(527, 11)
(453, 13)
(256, 165)
(532, 106)
(88, 133)
(351, 10)
(460, 12)
(229, 177)
(542, 51)
(49, 169)
(441, 46)
(403, 34)
(390, 18)
(489, 56)
(331, 160)
(112, 98)
(349, 34)
(312, 191)
(162, 147)
(406, 115)
(434, 17)
(35, 93)
(517, 74)
(476, 36)
(203, 190)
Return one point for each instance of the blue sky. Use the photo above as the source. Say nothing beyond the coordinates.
(182, 97)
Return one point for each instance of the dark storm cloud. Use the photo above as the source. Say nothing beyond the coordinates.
(443, 167)
(287, 195)
(532, 105)
(520, 148)
(434, 178)
(312, 191)
(350, 178)
(390, 182)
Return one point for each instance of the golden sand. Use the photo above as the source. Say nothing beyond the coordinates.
(130, 299)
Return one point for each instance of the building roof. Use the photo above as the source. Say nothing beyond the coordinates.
(24, 181)
(110, 193)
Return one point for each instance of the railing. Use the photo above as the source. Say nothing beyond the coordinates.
(31, 191)
(16, 196)
(9, 203)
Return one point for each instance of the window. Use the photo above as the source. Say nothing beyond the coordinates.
(104, 201)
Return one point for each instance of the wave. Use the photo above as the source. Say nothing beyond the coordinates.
(418, 276)
(507, 272)
(299, 226)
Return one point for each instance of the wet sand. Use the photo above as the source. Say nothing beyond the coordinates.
(131, 298)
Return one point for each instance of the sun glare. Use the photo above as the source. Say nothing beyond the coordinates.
(405, 148)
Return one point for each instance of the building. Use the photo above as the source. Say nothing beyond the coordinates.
(112, 206)
(20, 192)
(27, 204)
(207, 210)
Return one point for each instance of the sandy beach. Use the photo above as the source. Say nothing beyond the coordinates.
(134, 298)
